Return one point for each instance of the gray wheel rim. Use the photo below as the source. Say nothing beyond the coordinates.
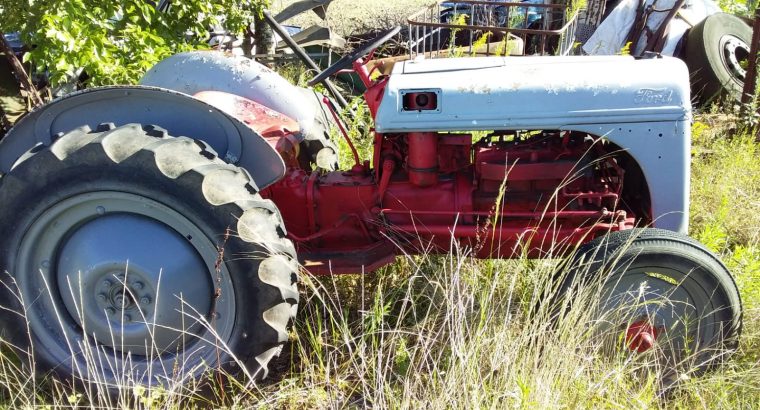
(733, 51)
(129, 272)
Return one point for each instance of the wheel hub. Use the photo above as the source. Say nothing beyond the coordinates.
(640, 336)
(647, 307)
(124, 298)
(123, 260)
(735, 53)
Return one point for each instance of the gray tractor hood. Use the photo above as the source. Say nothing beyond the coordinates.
(536, 92)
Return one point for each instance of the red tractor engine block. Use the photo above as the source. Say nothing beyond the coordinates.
(507, 194)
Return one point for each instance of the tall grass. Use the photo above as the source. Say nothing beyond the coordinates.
(454, 331)
(726, 213)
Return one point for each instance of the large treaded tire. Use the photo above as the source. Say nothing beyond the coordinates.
(139, 173)
(663, 277)
(713, 59)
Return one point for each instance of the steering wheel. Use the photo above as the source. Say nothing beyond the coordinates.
(358, 53)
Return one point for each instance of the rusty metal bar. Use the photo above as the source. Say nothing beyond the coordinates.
(20, 72)
(508, 4)
(426, 20)
(750, 80)
(494, 28)
(472, 17)
(657, 41)
(510, 214)
(304, 57)
(438, 31)
(490, 233)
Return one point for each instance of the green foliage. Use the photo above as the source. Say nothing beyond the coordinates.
(725, 188)
(459, 20)
(505, 47)
(575, 6)
(724, 206)
(480, 43)
(115, 42)
(737, 7)
(358, 128)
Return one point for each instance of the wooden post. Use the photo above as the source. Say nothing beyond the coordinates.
(750, 81)
(21, 75)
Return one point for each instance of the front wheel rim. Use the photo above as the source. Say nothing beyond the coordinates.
(665, 302)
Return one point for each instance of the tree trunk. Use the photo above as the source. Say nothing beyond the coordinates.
(263, 39)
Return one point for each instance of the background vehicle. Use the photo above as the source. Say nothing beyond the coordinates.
(714, 45)
(157, 223)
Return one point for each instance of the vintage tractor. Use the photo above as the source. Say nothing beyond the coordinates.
(149, 230)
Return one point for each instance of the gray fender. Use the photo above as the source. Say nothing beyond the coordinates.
(179, 114)
(662, 150)
(196, 71)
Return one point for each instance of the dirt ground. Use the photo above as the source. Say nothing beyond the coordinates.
(348, 17)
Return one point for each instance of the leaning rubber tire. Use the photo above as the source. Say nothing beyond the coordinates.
(317, 148)
(714, 48)
(104, 230)
(660, 278)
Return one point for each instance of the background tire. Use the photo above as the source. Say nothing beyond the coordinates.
(652, 278)
(136, 256)
(321, 152)
(715, 49)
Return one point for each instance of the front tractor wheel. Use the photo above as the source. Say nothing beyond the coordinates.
(130, 255)
(658, 293)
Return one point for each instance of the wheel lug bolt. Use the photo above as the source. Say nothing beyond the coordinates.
(138, 285)
(145, 300)
(107, 283)
(127, 318)
(110, 311)
(102, 297)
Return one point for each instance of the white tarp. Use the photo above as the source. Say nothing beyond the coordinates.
(609, 38)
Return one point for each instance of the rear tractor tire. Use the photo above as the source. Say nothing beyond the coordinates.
(130, 255)
(656, 292)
